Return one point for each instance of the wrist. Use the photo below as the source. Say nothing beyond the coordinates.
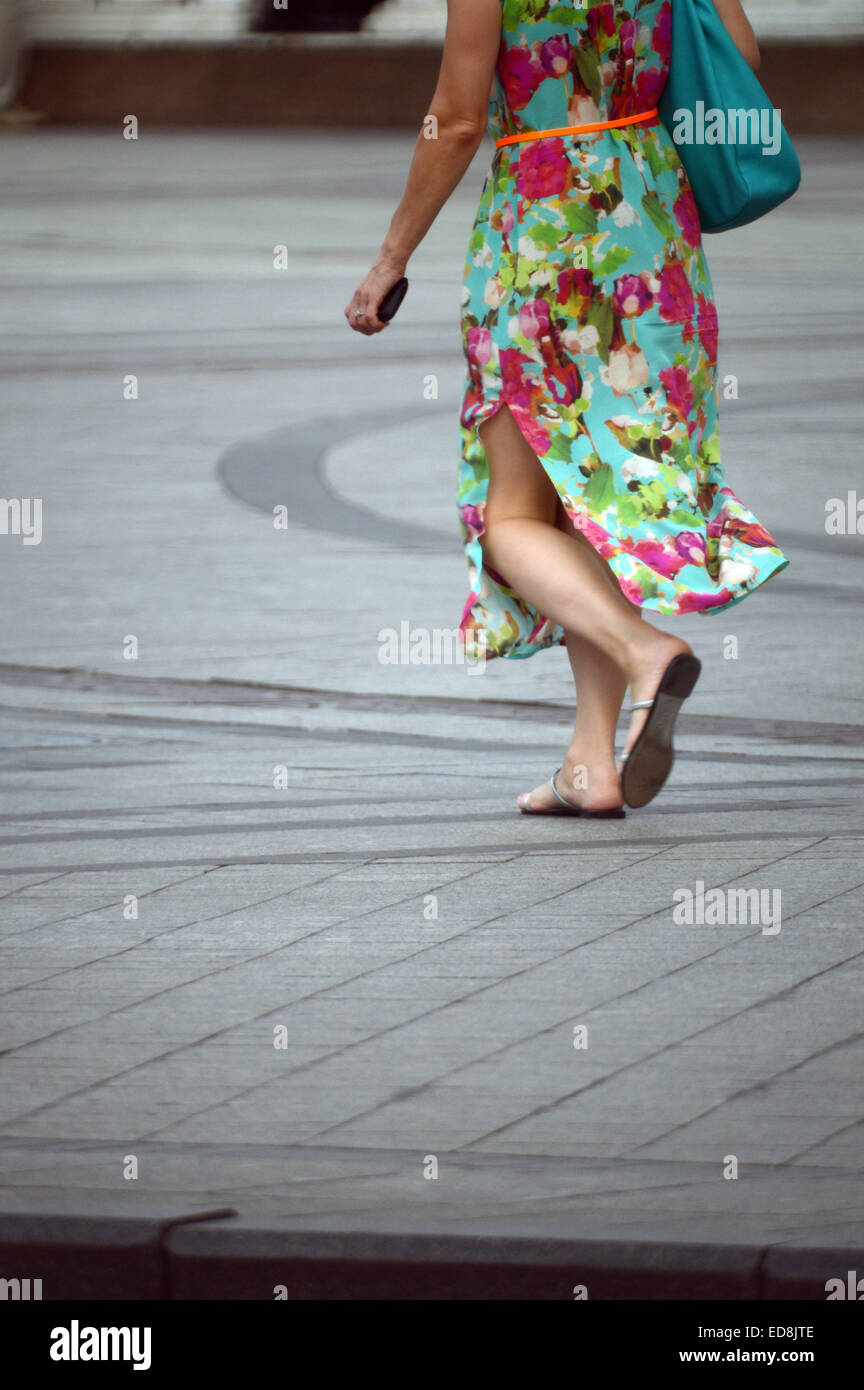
(390, 263)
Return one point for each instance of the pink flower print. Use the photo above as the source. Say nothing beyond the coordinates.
(601, 20)
(632, 296)
(472, 516)
(600, 540)
(627, 33)
(657, 557)
(538, 437)
(543, 169)
(520, 74)
(688, 217)
(479, 345)
(631, 590)
(534, 320)
(692, 546)
(675, 300)
(679, 390)
(707, 324)
(508, 219)
(517, 389)
(688, 602)
(555, 55)
(661, 38)
(649, 88)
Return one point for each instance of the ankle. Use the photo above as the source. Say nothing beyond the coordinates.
(580, 768)
(645, 647)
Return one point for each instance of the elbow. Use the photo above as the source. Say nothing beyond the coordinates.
(748, 47)
(460, 128)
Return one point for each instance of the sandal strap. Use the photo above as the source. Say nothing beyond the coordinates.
(555, 789)
(641, 704)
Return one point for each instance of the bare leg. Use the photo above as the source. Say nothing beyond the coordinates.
(562, 576)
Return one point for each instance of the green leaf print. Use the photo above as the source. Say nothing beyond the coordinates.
(630, 511)
(654, 499)
(580, 218)
(691, 521)
(560, 449)
(506, 272)
(655, 157)
(658, 214)
(612, 261)
(600, 488)
(477, 239)
(588, 66)
(522, 281)
(602, 317)
(545, 234)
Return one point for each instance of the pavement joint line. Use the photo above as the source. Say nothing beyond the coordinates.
(156, 936)
(245, 907)
(372, 737)
(826, 1138)
(91, 911)
(155, 687)
(540, 1032)
(473, 1159)
(446, 852)
(287, 824)
(412, 956)
(757, 1086)
(337, 800)
(25, 887)
(573, 950)
(353, 917)
(678, 1042)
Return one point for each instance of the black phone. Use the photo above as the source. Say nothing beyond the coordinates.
(392, 299)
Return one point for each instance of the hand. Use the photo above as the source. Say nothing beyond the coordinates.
(368, 295)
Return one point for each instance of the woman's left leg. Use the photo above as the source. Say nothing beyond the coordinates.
(589, 776)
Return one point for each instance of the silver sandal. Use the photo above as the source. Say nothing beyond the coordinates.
(567, 808)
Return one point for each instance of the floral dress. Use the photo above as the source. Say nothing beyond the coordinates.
(588, 309)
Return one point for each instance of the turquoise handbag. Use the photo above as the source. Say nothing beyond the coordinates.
(738, 159)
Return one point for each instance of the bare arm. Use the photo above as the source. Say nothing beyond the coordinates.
(738, 26)
(444, 149)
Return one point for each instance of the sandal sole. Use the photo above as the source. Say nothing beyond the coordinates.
(652, 756)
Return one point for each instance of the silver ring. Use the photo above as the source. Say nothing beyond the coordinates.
(359, 313)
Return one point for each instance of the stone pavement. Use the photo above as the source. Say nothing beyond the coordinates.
(271, 924)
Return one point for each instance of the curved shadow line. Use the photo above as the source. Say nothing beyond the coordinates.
(285, 468)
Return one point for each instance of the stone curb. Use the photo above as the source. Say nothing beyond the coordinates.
(198, 1256)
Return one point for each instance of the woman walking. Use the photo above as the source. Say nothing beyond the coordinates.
(590, 487)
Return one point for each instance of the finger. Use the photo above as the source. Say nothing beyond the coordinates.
(374, 324)
(366, 322)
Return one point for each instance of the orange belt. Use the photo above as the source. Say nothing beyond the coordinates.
(643, 117)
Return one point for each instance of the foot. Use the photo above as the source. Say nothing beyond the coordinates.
(590, 783)
(646, 672)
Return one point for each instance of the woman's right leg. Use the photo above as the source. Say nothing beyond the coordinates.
(562, 576)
